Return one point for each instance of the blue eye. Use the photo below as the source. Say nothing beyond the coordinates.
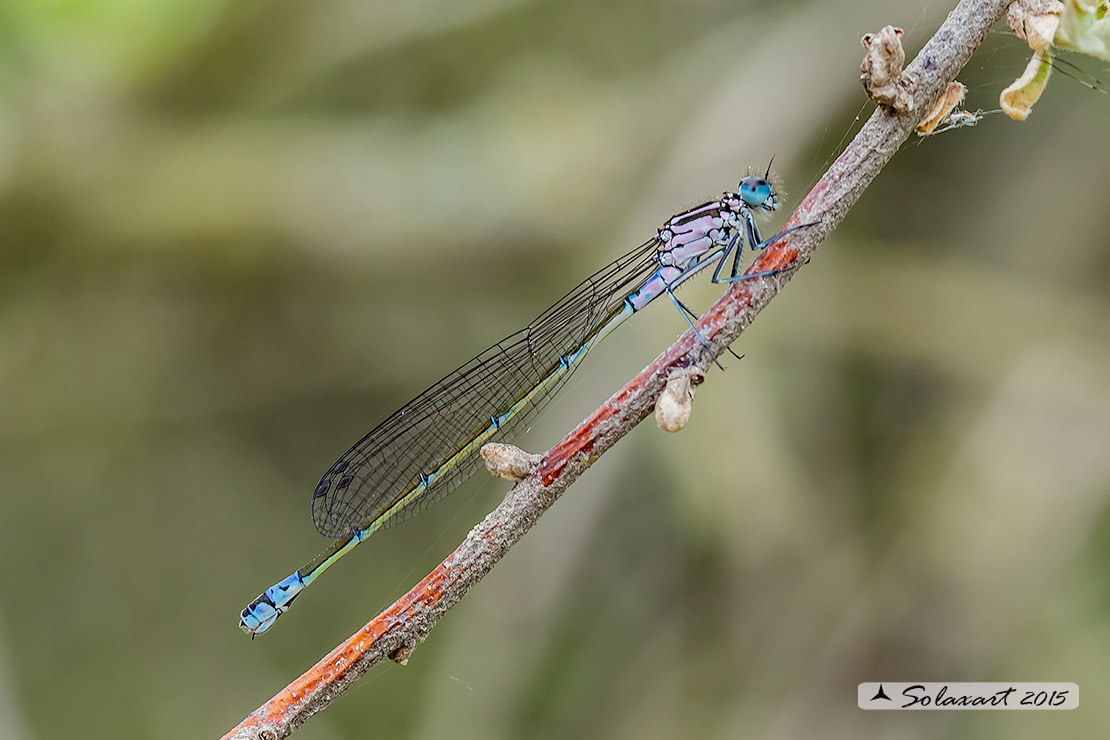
(755, 191)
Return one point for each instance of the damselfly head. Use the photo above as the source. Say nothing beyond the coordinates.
(758, 192)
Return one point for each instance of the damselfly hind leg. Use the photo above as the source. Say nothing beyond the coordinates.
(683, 310)
(694, 316)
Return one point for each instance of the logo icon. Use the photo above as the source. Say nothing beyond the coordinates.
(880, 694)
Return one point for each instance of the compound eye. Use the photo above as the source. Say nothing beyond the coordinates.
(755, 191)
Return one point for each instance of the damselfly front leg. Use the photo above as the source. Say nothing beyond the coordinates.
(736, 277)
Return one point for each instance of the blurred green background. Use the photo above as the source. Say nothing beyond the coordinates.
(235, 236)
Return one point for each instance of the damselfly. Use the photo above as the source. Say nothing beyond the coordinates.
(431, 445)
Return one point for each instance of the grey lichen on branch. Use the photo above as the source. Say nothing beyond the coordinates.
(881, 70)
(675, 403)
(508, 462)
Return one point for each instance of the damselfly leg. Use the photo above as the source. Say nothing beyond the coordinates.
(693, 316)
(757, 244)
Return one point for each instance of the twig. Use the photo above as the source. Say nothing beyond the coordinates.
(399, 629)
